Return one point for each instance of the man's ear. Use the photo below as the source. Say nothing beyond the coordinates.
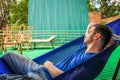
(97, 36)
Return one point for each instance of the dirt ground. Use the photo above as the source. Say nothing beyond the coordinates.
(96, 18)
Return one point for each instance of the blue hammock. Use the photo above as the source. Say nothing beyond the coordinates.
(62, 52)
(89, 69)
(115, 26)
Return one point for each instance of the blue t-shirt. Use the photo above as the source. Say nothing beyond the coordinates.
(70, 62)
(74, 60)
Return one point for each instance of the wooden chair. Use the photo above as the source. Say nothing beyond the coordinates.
(9, 39)
(26, 37)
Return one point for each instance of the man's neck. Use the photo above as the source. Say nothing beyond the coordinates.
(93, 48)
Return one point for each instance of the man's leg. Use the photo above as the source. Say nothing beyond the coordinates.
(24, 66)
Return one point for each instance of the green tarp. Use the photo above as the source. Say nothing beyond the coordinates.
(58, 14)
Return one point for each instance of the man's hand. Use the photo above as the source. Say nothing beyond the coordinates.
(53, 70)
(47, 64)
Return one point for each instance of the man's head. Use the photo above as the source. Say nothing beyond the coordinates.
(98, 33)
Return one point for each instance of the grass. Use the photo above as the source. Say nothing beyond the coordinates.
(30, 53)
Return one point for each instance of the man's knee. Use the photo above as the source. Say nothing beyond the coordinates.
(7, 55)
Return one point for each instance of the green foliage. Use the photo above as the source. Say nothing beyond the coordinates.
(107, 8)
(104, 23)
(19, 13)
(5, 6)
(12, 11)
(91, 6)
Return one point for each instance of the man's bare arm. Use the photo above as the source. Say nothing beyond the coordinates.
(53, 70)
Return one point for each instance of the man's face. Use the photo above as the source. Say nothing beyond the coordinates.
(90, 36)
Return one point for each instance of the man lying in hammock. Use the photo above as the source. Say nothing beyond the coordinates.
(96, 37)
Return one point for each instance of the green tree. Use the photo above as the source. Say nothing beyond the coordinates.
(19, 13)
(107, 8)
(13, 11)
(91, 6)
(5, 6)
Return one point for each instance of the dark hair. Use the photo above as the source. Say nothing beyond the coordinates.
(105, 33)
